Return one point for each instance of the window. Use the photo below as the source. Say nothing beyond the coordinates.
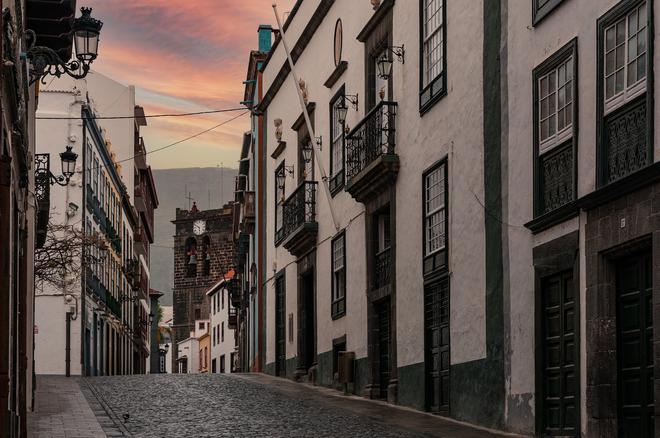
(339, 276)
(542, 8)
(337, 145)
(556, 105)
(96, 176)
(279, 201)
(222, 299)
(624, 127)
(433, 44)
(222, 364)
(435, 212)
(201, 326)
(198, 313)
(222, 331)
(625, 43)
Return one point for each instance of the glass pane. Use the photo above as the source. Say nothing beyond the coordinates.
(641, 42)
(632, 23)
(569, 91)
(544, 108)
(552, 82)
(560, 120)
(569, 69)
(641, 67)
(632, 73)
(619, 81)
(620, 57)
(561, 73)
(620, 32)
(609, 38)
(553, 126)
(551, 103)
(642, 16)
(544, 129)
(609, 86)
(561, 97)
(569, 114)
(544, 87)
(609, 63)
(632, 48)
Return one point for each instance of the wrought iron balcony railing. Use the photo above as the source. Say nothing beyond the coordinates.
(371, 138)
(299, 208)
(382, 269)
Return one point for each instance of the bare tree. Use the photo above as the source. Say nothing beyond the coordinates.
(66, 251)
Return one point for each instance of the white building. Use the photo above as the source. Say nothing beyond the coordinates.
(188, 359)
(103, 323)
(480, 255)
(224, 346)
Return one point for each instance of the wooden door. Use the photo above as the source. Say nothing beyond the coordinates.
(560, 358)
(436, 322)
(635, 347)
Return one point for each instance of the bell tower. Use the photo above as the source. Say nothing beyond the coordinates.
(203, 252)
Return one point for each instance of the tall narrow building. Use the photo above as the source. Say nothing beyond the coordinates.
(203, 248)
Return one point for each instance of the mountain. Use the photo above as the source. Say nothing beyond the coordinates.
(210, 187)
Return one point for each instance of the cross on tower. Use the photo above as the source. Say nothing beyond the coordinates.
(189, 198)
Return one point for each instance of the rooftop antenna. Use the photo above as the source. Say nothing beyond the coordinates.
(189, 198)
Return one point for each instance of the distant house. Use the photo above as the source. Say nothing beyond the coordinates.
(223, 325)
(188, 358)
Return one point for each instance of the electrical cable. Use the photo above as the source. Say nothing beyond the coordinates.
(176, 142)
(151, 116)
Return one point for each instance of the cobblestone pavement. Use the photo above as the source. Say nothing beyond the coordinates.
(220, 405)
(61, 410)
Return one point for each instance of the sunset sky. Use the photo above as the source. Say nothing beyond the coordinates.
(184, 57)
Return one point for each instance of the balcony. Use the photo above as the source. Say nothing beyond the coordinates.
(132, 273)
(248, 213)
(371, 163)
(113, 305)
(94, 286)
(232, 322)
(382, 269)
(299, 226)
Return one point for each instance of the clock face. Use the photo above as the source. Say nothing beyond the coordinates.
(199, 227)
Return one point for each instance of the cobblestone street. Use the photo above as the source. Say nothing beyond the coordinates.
(234, 406)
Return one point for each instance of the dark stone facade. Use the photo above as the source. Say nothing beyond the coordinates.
(190, 292)
(615, 230)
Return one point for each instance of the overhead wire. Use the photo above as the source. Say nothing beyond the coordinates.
(177, 142)
(150, 116)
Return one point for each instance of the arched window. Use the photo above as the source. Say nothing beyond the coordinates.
(191, 257)
(206, 253)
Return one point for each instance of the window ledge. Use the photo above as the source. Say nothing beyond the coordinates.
(336, 74)
(426, 107)
(337, 316)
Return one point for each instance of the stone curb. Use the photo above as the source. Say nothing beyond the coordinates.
(112, 425)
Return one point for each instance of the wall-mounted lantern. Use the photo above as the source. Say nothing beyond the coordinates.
(385, 62)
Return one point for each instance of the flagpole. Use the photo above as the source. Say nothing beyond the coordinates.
(310, 129)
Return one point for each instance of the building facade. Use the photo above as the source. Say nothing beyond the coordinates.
(435, 209)
(203, 246)
(96, 321)
(190, 353)
(224, 322)
(582, 176)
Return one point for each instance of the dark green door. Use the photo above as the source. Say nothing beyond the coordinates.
(384, 344)
(436, 322)
(280, 328)
(560, 356)
(634, 347)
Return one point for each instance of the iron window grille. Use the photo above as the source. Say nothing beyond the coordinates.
(299, 208)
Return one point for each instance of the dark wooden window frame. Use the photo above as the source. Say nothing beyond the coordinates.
(279, 234)
(539, 11)
(337, 182)
(436, 262)
(438, 85)
(335, 304)
(613, 15)
(568, 50)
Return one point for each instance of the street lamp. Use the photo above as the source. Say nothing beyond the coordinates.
(45, 61)
(385, 62)
(281, 175)
(44, 176)
(307, 152)
(342, 107)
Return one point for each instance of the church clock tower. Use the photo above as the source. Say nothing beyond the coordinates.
(203, 252)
